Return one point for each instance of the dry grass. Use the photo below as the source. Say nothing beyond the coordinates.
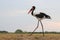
(27, 37)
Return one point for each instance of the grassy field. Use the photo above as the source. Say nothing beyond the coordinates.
(27, 37)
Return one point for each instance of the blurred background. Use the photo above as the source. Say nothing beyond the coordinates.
(14, 15)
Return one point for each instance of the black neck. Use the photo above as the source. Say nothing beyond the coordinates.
(32, 12)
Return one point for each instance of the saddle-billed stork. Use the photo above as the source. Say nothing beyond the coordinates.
(39, 16)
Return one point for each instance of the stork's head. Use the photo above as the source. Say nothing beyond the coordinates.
(32, 9)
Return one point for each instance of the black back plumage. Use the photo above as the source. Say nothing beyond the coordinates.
(42, 15)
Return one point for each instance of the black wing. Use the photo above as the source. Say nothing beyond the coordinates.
(41, 15)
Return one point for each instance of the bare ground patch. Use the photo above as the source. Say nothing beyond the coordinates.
(27, 37)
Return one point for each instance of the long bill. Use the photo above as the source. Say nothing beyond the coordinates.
(42, 28)
(29, 11)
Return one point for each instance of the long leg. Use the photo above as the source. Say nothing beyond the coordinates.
(42, 27)
(35, 28)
